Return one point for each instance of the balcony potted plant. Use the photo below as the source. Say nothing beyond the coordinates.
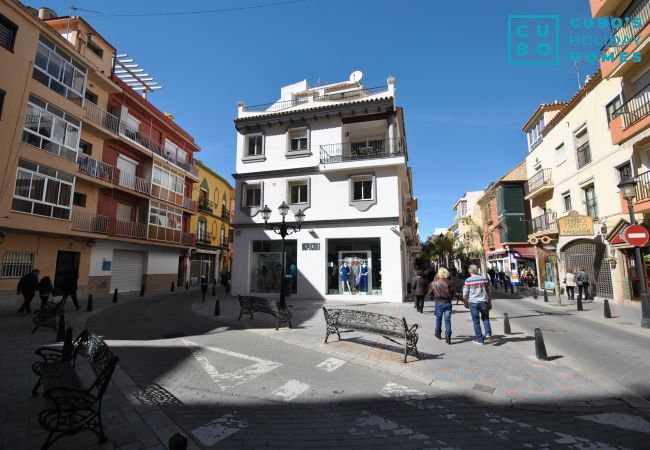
(611, 260)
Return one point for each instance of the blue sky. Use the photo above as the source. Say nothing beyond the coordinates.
(464, 105)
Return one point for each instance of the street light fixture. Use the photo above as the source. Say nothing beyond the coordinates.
(284, 230)
(628, 189)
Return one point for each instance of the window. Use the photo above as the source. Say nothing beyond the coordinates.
(61, 73)
(85, 147)
(255, 145)
(42, 191)
(298, 192)
(8, 31)
(165, 216)
(51, 129)
(17, 264)
(90, 96)
(253, 195)
(560, 155)
(298, 140)
(2, 101)
(590, 202)
(612, 107)
(535, 134)
(79, 199)
(624, 172)
(362, 190)
(566, 200)
(201, 233)
(96, 49)
(583, 152)
(171, 150)
(167, 180)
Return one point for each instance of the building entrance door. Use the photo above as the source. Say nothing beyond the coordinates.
(67, 269)
(590, 255)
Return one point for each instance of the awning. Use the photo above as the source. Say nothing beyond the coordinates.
(498, 252)
(524, 252)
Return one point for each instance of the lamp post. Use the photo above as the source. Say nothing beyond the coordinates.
(284, 230)
(628, 188)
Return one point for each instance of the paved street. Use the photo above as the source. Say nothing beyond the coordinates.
(229, 384)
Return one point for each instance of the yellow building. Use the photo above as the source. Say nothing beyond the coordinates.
(212, 226)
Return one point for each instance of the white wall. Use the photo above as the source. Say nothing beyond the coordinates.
(159, 260)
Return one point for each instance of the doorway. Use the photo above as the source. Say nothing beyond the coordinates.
(67, 269)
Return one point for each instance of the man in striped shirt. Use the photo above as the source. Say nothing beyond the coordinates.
(477, 298)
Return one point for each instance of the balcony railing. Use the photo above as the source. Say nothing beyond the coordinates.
(205, 205)
(362, 150)
(643, 186)
(188, 203)
(540, 179)
(636, 108)
(129, 229)
(351, 95)
(638, 9)
(546, 222)
(583, 154)
(101, 117)
(204, 238)
(187, 238)
(92, 223)
(277, 106)
(224, 242)
(95, 168)
(225, 213)
(134, 183)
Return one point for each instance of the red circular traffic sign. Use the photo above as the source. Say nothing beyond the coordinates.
(636, 235)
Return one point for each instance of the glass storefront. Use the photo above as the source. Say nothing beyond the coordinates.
(354, 266)
(266, 265)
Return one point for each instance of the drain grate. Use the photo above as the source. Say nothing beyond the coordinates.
(484, 388)
(173, 335)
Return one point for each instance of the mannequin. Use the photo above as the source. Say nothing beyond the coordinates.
(363, 279)
(345, 277)
(356, 269)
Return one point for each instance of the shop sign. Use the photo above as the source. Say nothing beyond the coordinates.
(575, 225)
(311, 246)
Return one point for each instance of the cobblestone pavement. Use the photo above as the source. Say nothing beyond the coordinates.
(229, 384)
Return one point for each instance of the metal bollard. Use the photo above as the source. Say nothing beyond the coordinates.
(115, 296)
(177, 442)
(607, 311)
(172, 287)
(67, 345)
(535, 293)
(579, 304)
(142, 291)
(217, 308)
(60, 330)
(540, 348)
(545, 296)
(89, 307)
(506, 324)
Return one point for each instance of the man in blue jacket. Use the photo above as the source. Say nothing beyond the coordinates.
(478, 299)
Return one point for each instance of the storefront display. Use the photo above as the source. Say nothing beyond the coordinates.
(266, 265)
(354, 266)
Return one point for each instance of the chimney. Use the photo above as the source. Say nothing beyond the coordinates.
(46, 13)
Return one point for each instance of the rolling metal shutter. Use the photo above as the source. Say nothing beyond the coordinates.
(127, 268)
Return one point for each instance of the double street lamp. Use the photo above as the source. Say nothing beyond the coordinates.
(628, 188)
(284, 230)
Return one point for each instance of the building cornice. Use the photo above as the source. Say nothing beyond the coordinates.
(277, 173)
(335, 222)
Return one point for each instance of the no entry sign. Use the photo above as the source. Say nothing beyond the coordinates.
(636, 235)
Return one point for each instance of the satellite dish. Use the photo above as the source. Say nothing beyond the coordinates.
(356, 76)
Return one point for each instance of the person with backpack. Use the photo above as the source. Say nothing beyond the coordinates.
(442, 292)
(582, 280)
(419, 287)
(27, 286)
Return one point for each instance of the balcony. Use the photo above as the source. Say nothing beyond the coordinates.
(639, 9)
(113, 124)
(91, 223)
(631, 117)
(362, 150)
(188, 203)
(126, 180)
(225, 214)
(95, 168)
(187, 238)
(544, 224)
(225, 242)
(204, 238)
(642, 200)
(538, 183)
(134, 230)
(583, 155)
(205, 205)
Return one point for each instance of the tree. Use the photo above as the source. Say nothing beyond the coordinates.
(474, 241)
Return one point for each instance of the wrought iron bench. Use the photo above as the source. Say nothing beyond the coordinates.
(46, 317)
(72, 404)
(339, 321)
(249, 305)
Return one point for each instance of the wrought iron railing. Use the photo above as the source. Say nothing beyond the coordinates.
(187, 238)
(129, 229)
(225, 213)
(205, 204)
(95, 168)
(351, 95)
(638, 9)
(85, 221)
(635, 108)
(188, 203)
(101, 117)
(583, 154)
(134, 183)
(643, 186)
(362, 150)
(277, 106)
(224, 242)
(540, 179)
(204, 238)
(545, 222)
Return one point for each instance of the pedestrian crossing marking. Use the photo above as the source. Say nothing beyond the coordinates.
(219, 429)
(330, 364)
(290, 390)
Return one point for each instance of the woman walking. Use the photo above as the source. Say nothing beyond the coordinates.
(45, 289)
(442, 291)
(570, 283)
(419, 290)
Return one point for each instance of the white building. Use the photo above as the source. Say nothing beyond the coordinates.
(339, 154)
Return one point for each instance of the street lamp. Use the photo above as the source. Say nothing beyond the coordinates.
(284, 230)
(628, 188)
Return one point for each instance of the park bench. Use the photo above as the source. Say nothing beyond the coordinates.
(46, 316)
(74, 394)
(249, 305)
(396, 330)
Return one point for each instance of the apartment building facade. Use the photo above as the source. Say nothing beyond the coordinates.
(212, 225)
(463, 230)
(339, 154)
(97, 182)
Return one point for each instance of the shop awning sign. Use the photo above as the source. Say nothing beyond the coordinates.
(574, 224)
(636, 235)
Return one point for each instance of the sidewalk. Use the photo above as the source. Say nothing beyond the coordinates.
(505, 372)
(130, 422)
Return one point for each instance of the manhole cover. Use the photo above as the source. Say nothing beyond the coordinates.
(484, 388)
(173, 335)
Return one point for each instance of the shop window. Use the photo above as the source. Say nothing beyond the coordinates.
(354, 266)
(266, 265)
